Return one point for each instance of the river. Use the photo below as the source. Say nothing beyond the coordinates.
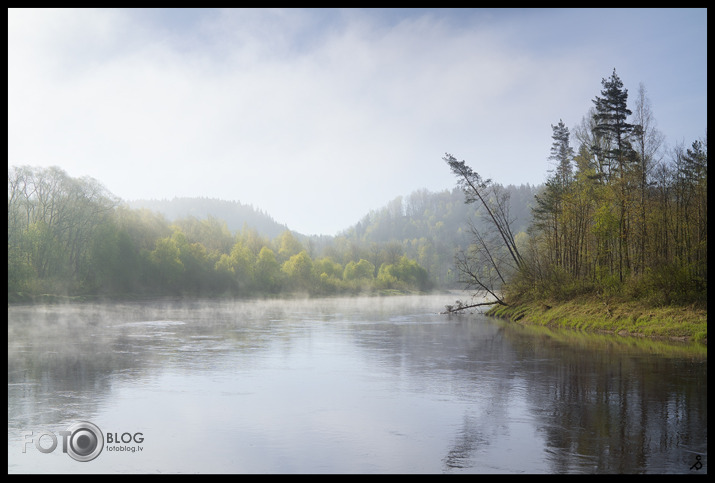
(342, 385)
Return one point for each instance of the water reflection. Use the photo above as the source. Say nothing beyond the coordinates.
(612, 400)
(337, 385)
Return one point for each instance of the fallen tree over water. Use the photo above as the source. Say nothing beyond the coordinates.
(459, 306)
(493, 256)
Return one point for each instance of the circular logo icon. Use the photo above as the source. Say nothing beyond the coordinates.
(85, 441)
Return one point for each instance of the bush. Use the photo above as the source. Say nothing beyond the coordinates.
(553, 283)
(671, 284)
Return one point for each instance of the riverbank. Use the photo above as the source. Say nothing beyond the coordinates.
(631, 318)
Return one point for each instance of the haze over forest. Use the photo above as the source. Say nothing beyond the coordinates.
(619, 212)
(317, 116)
(429, 227)
(322, 126)
(93, 242)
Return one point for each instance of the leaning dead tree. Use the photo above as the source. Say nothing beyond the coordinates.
(493, 255)
(459, 306)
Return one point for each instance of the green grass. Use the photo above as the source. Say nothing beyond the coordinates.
(627, 318)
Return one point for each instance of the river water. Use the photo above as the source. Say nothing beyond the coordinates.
(342, 385)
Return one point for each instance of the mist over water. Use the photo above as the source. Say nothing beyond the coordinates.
(346, 385)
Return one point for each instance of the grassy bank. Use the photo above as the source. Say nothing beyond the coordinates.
(627, 318)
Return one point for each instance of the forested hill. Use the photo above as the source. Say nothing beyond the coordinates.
(441, 214)
(430, 227)
(70, 236)
(235, 214)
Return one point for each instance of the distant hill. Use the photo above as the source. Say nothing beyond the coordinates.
(431, 227)
(235, 214)
(441, 214)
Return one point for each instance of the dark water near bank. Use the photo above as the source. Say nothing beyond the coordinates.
(381, 385)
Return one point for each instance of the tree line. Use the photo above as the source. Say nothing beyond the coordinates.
(619, 214)
(71, 236)
(425, 226)
(429, 227)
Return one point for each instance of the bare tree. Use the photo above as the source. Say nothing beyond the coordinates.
(493, 256)
(647, 141)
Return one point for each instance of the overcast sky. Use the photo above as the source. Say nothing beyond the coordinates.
(319, 116)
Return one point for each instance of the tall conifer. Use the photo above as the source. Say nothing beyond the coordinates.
(610, 116)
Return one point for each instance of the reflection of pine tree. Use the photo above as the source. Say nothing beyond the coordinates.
(466, 444)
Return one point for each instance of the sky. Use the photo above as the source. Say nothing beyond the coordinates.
(318, 116)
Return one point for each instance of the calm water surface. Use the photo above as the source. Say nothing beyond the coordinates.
(355, 385)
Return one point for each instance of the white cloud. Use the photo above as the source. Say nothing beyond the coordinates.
(314, 116)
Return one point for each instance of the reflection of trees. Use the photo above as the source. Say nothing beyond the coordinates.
(56, 369)
(602, 403)
(466, 443)
(608, 407)
(470, 362)
(64, 360)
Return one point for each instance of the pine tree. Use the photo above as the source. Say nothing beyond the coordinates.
(610, 117)
(562, 153)
(549, 210)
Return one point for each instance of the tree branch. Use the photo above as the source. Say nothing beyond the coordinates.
(452, 309)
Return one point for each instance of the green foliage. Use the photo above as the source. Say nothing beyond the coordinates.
(299, 271)
(267, 271)
(362, 270)
(402, 275)
(605, 223)
(211, 232)
(237, 269)
(76, 239)
(166, 264)
(562, 154)
(328, 285)
(197, 277)
(428, 227)
(116, 261)
(19, 270)
(671, 284)
(288, 245)
(627, 225)
(327, 266)
(52, 220)
(328, 277)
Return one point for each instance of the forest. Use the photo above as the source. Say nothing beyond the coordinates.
(71, 237)
(619, 215)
